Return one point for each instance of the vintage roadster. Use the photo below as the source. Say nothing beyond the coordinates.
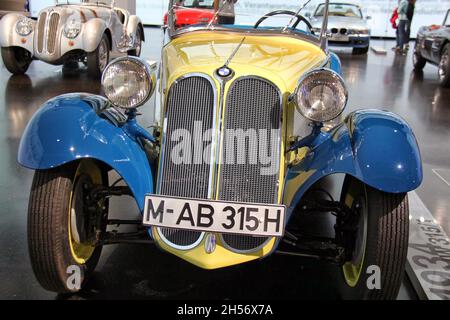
(250, 125)
(70, 32)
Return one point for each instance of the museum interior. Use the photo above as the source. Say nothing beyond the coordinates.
(115, 119)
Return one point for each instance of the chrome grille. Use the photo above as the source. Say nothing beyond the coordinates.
(52, 31)
(190, 104)
(252, 104)
(41, 31)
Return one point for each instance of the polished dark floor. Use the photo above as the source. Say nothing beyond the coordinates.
(375, 81)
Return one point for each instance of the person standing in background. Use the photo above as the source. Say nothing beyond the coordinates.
(402, 24)
(226, 12)
(410, 15)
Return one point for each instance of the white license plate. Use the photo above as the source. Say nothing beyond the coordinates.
(340, 38)
(214, 216)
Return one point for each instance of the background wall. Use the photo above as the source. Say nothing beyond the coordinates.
(152, 11)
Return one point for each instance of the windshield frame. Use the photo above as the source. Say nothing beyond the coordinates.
(361, 16)
(99, 3)
(446, 22)
(174, 32)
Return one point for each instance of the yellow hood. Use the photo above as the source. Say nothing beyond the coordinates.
(280, 59)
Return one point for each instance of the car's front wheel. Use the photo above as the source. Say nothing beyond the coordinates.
(63, 221)
(361, 50)
(138, 44)
(16, 59)
(418, 61)
(98, 59)
(377, 238)
(444, 67)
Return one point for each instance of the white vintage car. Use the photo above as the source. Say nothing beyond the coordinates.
(70, 31)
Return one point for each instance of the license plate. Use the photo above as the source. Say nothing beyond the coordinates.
(214, 216)
(340, 38)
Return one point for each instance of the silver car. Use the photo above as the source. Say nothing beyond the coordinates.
(70, 32)
(347, 27)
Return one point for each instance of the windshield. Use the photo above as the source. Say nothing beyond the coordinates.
(201, 4)
(235, 14)
(447, 19)
(91, 2)
(339, 10)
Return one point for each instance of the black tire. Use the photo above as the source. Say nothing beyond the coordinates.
(136, 52)
(419, 62)
(16, 59)
(444, 67)
(98, 59)
(360, 50)
(49, 228)
(385, 242)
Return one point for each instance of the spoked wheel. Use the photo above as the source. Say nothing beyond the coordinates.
(377, 241)
(138, 45)
(444, 67)
(16, 59)
(99, 58)
(63, 222)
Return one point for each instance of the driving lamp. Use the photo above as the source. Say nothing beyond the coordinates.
(321, 95)
(24, 26)
(72, 28)
(128, 82)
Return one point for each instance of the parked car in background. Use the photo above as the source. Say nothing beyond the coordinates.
(70, 31)
(226, 175)
(433, 46)
(347, 27)
(191, 12)
(18, 6)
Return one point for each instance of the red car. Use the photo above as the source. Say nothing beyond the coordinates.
(190, 12)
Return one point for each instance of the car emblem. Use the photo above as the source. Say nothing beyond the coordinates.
(210, 243)
(224, 72)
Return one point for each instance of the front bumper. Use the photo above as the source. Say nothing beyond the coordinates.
(353, 42)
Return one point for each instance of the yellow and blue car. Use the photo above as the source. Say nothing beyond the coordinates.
(251, 121)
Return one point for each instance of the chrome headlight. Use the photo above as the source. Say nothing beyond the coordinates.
(128, 82)
(24, 26)
(321, 95)
(72, 28)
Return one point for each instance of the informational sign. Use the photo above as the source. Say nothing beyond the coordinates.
(249, 11)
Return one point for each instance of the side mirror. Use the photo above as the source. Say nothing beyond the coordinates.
(308, 15)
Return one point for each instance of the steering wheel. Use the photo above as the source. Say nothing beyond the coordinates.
(299, 17)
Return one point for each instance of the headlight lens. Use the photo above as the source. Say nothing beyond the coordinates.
(128, 82)
(72, 28)
(321, 95)
(24, 26)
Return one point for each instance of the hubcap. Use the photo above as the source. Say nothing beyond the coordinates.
(352, 269)
(103, 55)
(443, 65)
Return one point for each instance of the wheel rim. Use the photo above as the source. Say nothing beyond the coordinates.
(103, 55)
(86, 172)
(443, 64)
(352, 269)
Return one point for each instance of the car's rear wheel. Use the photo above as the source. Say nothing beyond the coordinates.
(99, 58)
(138, 44)
(16, 59)
(63, 221)
(378, 244)
(444, 67)
(361, 50)
(418, 61)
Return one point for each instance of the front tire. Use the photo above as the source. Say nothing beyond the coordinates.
(60, 232)
(419, 62)
(380, 242)
(16, 59)
(99, 58)
(136, 52)
(360, 50)
(444, 67)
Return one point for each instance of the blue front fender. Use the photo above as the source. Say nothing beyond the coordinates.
(373, 146)
(76, 126)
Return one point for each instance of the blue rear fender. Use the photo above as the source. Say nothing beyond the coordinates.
(376, 147)
(76, 126)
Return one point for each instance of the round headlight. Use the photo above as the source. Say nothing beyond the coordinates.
(128, 82)
(321, 95)
(72, 28)
(24, 26)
